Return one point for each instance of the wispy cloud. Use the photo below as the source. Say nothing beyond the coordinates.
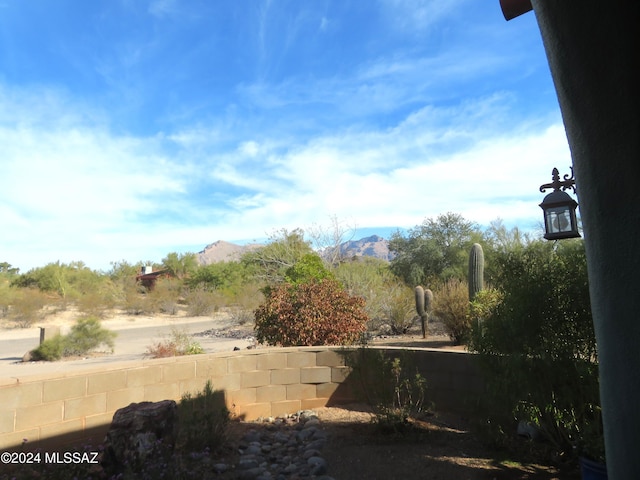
(419, 15)
(190, 123)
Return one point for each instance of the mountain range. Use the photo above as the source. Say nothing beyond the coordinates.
(222, 251)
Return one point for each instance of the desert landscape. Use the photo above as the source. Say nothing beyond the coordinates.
(438, 445)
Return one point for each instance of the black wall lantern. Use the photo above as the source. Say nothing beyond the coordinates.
(559, 208)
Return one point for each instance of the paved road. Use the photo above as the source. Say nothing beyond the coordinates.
(134, 337)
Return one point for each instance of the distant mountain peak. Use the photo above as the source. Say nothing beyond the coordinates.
(222, 251)
(371, 246)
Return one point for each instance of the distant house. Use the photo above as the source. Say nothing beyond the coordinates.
(148, 277)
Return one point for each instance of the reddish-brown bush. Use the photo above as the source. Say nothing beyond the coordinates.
(313, 313)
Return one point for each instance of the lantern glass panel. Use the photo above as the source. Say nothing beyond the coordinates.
(558, 220)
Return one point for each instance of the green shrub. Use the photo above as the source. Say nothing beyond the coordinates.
(240, 315)
(371, 279)
(388, 384)
(451, 306)
(164, 296)
(50, 350)
(309, 268)
(399, 308)
(538, 348)
(203, 420)
(133, 298)
(284, 249)
(7, 295)
(86, 335)
(63, 279)
(484, 305)
(95, 303)
(202, 302)
(313, 313)
(226, 277)
(28, 306)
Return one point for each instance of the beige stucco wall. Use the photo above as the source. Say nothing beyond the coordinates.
(64, 409)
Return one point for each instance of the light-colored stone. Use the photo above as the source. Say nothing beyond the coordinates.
(21, 395)
(315, 375)
(271, 393)
(39, 415)
(64, 388)
(243, 363)
(71, 429)
(299, 392)
(286, 376)
(253, 411)
(329, 358)
(178, 371)
(163, 391)
(138, 377)
(243, 396)
(81, 407)
(271, 361)
(121, 398)
(301, 359)
(256, 378)
(105, 382)
(207, 367)
(285, 407)
(7, 421)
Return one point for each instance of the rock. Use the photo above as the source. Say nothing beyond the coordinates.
(318, 464)
(140, 432)
(27, 357)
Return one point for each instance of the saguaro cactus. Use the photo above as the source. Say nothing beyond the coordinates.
(476, 270)
(424, 305)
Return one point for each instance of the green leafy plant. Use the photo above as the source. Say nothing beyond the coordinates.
(398, 308)
(28, 305)
(434, 251)
(203, 420)
(309, 268)
(164, 296)
(313, 313)
(388, 384)
(284, 249)
(50, 350)
(371, 279)
(537, 346)
(483, 306)
(452, 308)
(86, 335)
(201, 302)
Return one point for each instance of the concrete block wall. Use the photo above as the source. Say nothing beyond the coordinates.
(70, 408)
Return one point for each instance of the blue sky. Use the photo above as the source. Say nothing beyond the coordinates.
(130, 128)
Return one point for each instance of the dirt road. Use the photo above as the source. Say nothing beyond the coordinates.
(135, 335)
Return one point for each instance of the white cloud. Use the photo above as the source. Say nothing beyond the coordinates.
(249, 148)
(161, 8)
(74, 190)
(419, 15)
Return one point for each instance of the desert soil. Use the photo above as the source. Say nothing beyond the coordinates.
(439, 446)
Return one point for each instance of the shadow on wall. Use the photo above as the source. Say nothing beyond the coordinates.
(251, 384)
(454, 380)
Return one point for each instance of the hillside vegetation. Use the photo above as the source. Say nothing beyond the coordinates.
(528, 315)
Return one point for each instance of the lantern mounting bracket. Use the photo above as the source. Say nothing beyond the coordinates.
(567, 182)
